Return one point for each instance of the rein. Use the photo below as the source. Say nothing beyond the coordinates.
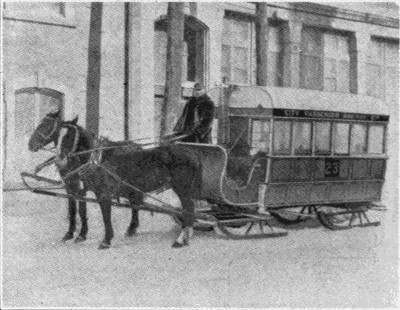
(51, 150)
(128, 146)
(83, 168)
(97, 160)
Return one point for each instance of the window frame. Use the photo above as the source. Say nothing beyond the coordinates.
(277, 49)
(334, 152)
(382, 63)
(332, 138)
(365, 151)
(384, 133)
(249, 45)
(264, 121)
(329, 153)
(290, 121)
(319, 82)
(293, 131)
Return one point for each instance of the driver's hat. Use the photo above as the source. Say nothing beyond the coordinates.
(198, 86)
(187, 88)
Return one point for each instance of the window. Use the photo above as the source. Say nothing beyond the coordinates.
(282, 135)
(322, 138)
(311, 71)
(325, 61)
(383, 69)
(337, 63)
(260, 136)
(358, 139)
(375, 139)
(237, 38)
(302, 138)
(341, 138)
(238, 61)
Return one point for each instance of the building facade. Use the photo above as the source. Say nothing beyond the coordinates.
(48, 49)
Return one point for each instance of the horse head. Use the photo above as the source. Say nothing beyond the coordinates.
(46, 132)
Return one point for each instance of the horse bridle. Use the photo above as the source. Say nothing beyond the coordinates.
(54, 129)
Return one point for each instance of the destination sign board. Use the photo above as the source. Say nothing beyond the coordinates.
(329, 115)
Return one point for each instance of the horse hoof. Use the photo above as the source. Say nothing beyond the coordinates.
(130, 233)
(79, 239)
(68, 236)
(177, 245)
(104, 246)
(180, 245)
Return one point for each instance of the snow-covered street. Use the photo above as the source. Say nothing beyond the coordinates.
(311, 267)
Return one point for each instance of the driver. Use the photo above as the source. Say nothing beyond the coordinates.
(197, 117)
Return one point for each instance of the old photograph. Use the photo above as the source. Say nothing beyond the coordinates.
(202, 154)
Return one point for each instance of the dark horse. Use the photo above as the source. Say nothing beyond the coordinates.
(141, 170)
(48, 131)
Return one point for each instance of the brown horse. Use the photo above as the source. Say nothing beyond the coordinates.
(141, 170)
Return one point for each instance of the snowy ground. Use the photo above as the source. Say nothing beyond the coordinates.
(311, 267)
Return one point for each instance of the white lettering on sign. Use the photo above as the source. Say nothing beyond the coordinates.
(291, 112)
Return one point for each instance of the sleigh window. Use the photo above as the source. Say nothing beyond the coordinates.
(375, 139)
(282, 139)
(322, 138)
(260, 136)
(302, 138)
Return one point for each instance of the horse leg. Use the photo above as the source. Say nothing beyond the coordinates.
(72, 219)
(134, 200)
(84, 227)
(187, 223)
(105, 206)
(133, 224)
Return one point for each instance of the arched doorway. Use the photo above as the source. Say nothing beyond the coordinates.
(31, 104)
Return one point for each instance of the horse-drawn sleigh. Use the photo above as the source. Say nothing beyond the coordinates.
(282, 153)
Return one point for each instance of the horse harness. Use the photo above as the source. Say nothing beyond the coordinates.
(63, 162)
